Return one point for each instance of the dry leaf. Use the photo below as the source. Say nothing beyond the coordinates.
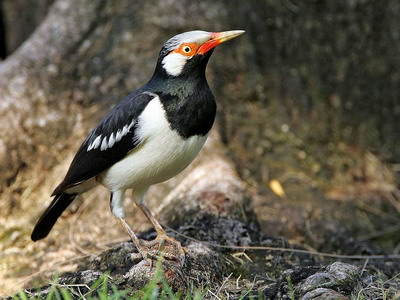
(277, 188)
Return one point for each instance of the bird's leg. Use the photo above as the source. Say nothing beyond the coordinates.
(163, 241)
(157, 226)
(117, 208)
(134, 238)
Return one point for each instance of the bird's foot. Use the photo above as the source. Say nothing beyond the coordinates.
(165, 247)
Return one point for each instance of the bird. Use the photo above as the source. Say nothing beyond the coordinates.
(150, 136)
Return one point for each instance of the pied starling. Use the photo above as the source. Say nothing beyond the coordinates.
(150, 136)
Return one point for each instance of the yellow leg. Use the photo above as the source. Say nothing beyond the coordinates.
(133, 237)
(163, 241)
(157, 226)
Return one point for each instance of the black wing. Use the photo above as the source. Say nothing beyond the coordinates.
(109, 142)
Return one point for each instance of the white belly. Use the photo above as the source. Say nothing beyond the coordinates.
(162, 154)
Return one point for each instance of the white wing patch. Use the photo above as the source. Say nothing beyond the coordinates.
(111, 141)
(104, 144)
(119, 135)
(95, 143)
(107, 142)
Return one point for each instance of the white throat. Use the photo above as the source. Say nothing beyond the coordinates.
(173, 63)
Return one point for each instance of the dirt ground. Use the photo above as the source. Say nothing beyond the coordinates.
(336, 220)
(87, 226)
(334, 185)
(336, 199)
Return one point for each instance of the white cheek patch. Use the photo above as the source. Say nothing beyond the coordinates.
(173, 63)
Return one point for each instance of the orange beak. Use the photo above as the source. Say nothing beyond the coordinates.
(218, 38)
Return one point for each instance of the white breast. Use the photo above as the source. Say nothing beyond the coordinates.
(162, 153)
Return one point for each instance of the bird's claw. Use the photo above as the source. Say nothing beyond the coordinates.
(163, 246)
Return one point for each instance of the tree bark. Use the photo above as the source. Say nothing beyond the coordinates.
(19, 22)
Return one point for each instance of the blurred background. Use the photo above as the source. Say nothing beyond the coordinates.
(309, 112)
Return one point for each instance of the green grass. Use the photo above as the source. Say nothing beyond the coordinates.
(103, 289)
(291, 288)
(380, 288)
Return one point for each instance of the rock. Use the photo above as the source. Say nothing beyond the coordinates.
(324, 294)
(339, 275)
(317, 283)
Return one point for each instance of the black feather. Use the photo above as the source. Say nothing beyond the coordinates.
(187, 99)
(89, 164)
(50, 216)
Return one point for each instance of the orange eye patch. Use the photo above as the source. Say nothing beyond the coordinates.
(187, 49)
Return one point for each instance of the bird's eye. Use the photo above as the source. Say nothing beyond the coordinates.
(187, 49)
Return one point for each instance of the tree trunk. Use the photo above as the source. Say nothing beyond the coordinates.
(19, 22)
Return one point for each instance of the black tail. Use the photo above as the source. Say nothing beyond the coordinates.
(50, 216)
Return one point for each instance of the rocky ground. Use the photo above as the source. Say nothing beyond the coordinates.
(233, 273)
(212, 211)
